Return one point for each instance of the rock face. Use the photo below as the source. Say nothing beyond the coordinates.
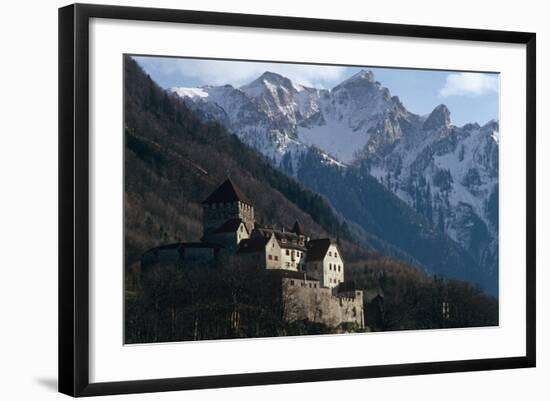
(450, 177)
(448, 174)
(439, 118)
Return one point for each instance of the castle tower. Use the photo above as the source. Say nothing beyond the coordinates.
(227, 202)
(298, 229)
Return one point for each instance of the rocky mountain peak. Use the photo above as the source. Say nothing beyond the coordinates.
(268, 81)
(492, 125)
(273, 77)
(440, 117)
(362, 78)
(363, 74)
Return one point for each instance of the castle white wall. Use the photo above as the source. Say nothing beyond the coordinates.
(242, 233)
(329, 271)
(292, 259)
(333, 267)
(272, 255)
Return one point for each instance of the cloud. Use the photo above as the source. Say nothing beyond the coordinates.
(469, 84)
(238, 73)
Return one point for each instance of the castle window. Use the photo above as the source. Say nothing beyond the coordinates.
(270, 257)
(330, 266)
(309, 285)
(287, 252)
(291, 282)
(287, 264)
(276, 257)
(335, 255)
(338, 267)
(314, 285)
(329, 253)
(242, 229)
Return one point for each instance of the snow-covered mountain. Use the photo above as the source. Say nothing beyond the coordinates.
(264, 114)
(448, 174)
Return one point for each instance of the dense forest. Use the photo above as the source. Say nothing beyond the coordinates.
(173, 160)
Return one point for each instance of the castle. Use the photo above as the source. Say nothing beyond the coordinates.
(311, 270)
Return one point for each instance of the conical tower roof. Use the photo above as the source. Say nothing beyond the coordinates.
(298, 229)
(227, 192)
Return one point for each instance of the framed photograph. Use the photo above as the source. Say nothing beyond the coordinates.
(250, 199)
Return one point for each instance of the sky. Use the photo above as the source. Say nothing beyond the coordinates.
(471, 97)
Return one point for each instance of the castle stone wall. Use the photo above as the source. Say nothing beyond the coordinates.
(307, 300)
(215, 214)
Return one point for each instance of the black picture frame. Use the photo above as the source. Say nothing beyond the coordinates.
(74, 198)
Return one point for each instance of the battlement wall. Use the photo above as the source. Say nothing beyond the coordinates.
(306, 300)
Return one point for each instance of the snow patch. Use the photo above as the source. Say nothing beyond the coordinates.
(335, 138)
(190, 92)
